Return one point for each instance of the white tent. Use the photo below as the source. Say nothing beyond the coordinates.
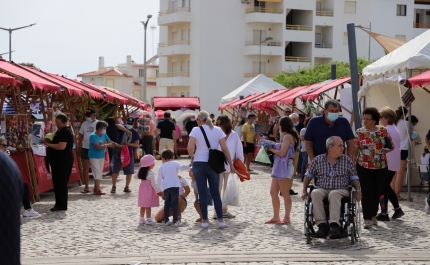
(259, 84)
(414, 54)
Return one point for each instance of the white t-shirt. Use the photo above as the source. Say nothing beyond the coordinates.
(425, 159)
(168, 174)
(238, 129)
(202, 150)
(235, 148)
(402, 127)
(302, 143)
(184, 184)
(87, 128)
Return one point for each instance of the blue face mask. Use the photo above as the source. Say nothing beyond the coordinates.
(89, 119)
(104, 131)
(193, 119)
(332, 116)
(128, 126)
(297, 123)
(412, 126)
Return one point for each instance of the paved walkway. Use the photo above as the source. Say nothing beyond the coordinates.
(105, 230)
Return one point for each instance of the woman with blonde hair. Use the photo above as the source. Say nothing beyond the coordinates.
(203, 173)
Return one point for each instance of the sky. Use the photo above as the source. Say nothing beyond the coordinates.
(70, 36)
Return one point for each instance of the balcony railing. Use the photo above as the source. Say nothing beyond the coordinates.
(298, 27)
(264, 10)
(420, 25)
(323, 45)
(174, 42)
(251, 75)
(324, 13)
(174, 74)
(266, 43)
(298, 59)
(174, 10)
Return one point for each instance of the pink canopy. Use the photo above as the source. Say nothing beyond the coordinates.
(92, 93)
(274, 101)
(257, 104)
(421, 80)
(246, 100)
(6, 80)
(311, 95)
(228, 103)
(176, 103)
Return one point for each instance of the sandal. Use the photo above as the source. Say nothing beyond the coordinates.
(271, 221)
(199, 220)
(282, 222)
(85, 191)
(99, 192)
(127, 189)
(113, 190)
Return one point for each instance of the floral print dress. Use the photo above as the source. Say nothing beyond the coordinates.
(370, 147)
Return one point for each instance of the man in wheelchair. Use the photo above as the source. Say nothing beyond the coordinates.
(333, 173)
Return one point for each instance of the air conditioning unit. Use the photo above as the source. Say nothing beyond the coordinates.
(245, 1)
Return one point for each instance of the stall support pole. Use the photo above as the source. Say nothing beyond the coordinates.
(409, 169)
(352, 48)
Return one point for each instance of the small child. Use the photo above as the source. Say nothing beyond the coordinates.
(148, 189)
(169, 183)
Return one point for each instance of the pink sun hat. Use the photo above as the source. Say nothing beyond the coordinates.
(147, 161)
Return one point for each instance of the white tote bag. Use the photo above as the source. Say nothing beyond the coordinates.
(231, 194)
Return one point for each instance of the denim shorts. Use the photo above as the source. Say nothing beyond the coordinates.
(116, 166)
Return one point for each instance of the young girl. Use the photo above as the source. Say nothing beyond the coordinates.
(148, 189)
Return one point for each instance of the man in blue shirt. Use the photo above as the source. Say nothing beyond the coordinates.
(320, 128)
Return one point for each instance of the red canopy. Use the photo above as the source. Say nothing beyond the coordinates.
(73, 91)
(92, 93)
(109, 95)
(421, 80)
(132, 100)
(311, 95)
(246, 100)
(36, 81)
(176, 103)
(257, 104)
(228, 103)
(6, 80)
(274, 101)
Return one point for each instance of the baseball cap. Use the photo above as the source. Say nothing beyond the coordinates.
(130, 121)
(89, 112)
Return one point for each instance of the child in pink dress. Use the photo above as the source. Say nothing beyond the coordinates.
(148, 189)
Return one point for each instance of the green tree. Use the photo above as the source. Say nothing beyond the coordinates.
(30, 65)
(315, 73)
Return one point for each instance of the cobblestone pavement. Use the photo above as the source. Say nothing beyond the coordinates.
(108, 225)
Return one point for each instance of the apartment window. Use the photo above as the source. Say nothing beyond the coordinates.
(183, 66)
(173, 94)
(175, 67)
(184, 34)
(256, 67)
(175, 35)
(141, 72)
(156, 73)
(256, 36)
(401, 10)
(400, 37)
(350, 7)
(345, 38)
(174, 4)
(184, 3)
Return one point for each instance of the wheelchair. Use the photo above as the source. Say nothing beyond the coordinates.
(350, 218)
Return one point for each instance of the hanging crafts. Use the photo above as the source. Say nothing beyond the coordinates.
(16, 130)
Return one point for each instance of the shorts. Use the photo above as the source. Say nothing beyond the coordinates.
(116, 166)
(186, 203)
(97, 165)
(84, 154)
(249, 149)
(403, 154)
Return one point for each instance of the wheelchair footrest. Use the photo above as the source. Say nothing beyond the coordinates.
(343, 235)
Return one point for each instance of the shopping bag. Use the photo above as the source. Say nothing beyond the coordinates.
(125, 156)
(241, 170)
(262, 156)
(231, 193)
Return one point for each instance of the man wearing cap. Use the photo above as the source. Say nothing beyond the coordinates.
(87, 128)
(166, 134)
(131, 142)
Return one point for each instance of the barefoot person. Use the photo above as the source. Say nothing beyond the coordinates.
(248, 140)
(283, 170)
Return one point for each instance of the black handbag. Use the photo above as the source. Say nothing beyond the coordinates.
(217, 158)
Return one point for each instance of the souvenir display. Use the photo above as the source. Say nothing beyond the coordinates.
(16, 130)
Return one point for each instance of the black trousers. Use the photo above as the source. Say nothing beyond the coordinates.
(147, 145)
(371, 182)
(110, 153)
(26, 196)
(388, 193)
(61, 170)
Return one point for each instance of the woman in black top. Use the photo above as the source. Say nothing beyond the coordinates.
(60, 156)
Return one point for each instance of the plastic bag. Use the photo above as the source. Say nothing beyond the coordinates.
(125, 156)
(231, 193)
(262, 156)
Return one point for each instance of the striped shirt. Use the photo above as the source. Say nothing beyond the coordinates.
(336, 176)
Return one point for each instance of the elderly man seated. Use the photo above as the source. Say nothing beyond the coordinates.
(333, 171)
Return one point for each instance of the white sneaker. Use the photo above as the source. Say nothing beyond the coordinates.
(167, 223)
(141, 220)
(205, 225)
(427, 207)
(177, 223)
(150, 221)
(222, 225)
(30, 213)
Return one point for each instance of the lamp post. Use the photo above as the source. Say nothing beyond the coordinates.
(259, 57)
(145, 25)
(370, 29)
(10, 38)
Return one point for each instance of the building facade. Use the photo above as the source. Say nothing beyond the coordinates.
(126, 77)
(209, 48)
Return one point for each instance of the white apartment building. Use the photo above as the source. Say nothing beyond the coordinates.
(209, 48)
(126, 77)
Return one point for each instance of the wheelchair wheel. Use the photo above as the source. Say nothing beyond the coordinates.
(357, 220)
(353, 233)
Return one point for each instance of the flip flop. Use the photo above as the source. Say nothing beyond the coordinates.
(85, 191)
(271, 221)
(282, 222)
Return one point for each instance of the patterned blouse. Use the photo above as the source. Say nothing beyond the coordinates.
(370, 145)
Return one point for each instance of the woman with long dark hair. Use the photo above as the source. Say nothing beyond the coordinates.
(283, 170)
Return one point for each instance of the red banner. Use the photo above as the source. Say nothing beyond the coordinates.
(44, 177)
(21, 161)
(107, 162)
(75, 176)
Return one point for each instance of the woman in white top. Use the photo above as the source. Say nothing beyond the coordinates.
(425, 158)
(235, 148)
(403, 128)
(203, 173)
(238, 128)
